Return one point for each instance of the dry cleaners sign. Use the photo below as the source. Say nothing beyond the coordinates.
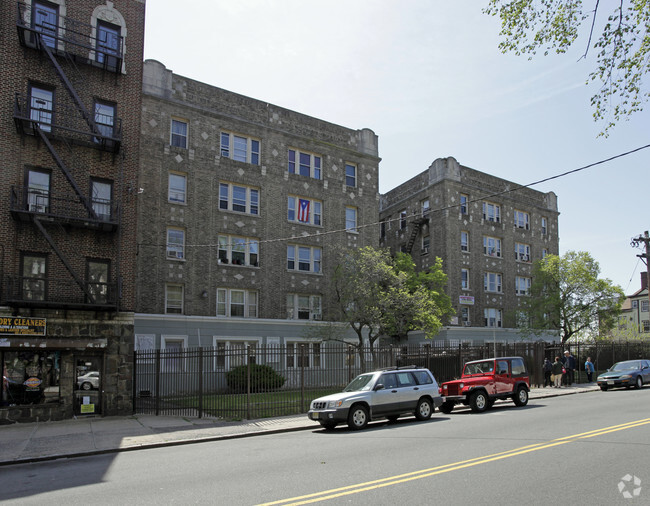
(21, 326)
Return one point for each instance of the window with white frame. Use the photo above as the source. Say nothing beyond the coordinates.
(464, 202)
(464, 240)
(179, 133)
(350, 175)
(177, 188)
(172, 356)
(304, 307)
(240, 148)
(402, 219)
(644, 306)
(304, 258)
(492, 282)
(464, 315)
(234, 352)
(304, 210)
(492, 317)
(426, 240)
(522, 220)
(351, 219)
(464, 279)
(175, 243)
(305, 164)
(303, 354)
(425, 208)
(234, 303)
(237, 250)
(240, 199)
(522, 285)
(544, 226)
(491, 212)
(492, 246)
(522, 252)
(173, 299)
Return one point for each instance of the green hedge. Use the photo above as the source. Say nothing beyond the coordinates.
(263, 378)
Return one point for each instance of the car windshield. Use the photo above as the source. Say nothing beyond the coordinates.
(479, 368)
(361, 382)
(625, 366)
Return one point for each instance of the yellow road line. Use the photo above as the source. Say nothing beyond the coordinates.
(425, 473)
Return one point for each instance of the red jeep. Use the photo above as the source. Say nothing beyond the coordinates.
(485, 381)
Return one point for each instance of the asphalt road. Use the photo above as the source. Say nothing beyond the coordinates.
(580, 449)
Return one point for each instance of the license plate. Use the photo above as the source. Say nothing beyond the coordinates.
(610, 382)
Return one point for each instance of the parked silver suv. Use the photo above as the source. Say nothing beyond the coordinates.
(386, 393)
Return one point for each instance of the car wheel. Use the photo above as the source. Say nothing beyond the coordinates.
(447, 407)
(639, 382)
(86, 386)
(521, 397)
(358, 417)
(603, 388)
(328, 425)
(424, 409)
(392, 418)
(478, 402)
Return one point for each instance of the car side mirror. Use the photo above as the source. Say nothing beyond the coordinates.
(378, 386)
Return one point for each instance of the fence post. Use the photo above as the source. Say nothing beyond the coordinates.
(157, 404)
(135, 379)
(350, 362)
(302, 377)
(248, 382)
(200, 382)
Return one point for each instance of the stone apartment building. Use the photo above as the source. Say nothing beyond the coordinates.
(486, 230)
(242, 205)
(69, 138)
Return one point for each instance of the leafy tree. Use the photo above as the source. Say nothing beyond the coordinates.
(623, 47)
(567, 295)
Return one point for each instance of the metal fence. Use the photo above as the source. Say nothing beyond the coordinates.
(264, 381)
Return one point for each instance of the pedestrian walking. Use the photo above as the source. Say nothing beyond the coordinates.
(569, 367)
(548, 371)
(556, 371)
(589, 369)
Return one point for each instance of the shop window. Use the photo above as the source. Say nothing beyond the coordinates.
(30, 377)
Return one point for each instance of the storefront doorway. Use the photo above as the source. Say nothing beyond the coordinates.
(88, 385)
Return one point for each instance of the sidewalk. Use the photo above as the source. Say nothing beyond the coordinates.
(34, 442)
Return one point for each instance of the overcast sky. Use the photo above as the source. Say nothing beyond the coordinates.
(428, 78)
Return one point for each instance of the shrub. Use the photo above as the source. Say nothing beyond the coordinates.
(263, 377)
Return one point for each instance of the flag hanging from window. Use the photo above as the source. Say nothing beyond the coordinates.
(303, 210)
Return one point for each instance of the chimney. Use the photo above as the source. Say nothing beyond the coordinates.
(644, 280)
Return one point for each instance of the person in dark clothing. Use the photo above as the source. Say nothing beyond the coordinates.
(548, 368)
(557, 373)
(589, 369)
(569, 366)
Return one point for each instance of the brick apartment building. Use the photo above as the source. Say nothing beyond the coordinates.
(69, 138)
(486, 235)
(241, 207)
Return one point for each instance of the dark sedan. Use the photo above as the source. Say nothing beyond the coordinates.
(631, 373)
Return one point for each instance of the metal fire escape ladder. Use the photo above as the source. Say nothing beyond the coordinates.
(67, 265)
(417, 225)
(84, 200)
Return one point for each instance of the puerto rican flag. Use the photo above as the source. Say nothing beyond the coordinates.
(303, 210)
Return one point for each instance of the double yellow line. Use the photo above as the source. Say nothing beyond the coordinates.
(433, 471)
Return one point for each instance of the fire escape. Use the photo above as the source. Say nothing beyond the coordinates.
(417, 223)
(59, 128)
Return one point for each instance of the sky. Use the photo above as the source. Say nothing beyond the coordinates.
(428, 78)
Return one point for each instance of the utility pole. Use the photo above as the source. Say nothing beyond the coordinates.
(637, 242)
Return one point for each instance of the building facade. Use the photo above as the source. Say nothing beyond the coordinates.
(634, 320)
(71, 92)
(487, 231)
(242, 207)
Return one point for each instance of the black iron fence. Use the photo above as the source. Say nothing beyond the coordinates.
(273, 380)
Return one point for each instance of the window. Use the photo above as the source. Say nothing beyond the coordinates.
(238, 250)
(173, 299)
(464, 240)
(101, 194)
(239, 148)
(644, 306)
(108, 42)
(304, 307)
(522, 252)
(464, 279)
(304, 210)
(38, 191)
(544, 226)
(544, 252)
(492, 246)
(233, 303)
(351, 219)
(382, 229)
(34, 277)
(21, 365)
(172, 356)
(522, 285)
(645, 325)
(175, 243)
(98, 276)
(425, 208)
(41, 107)
(464, 201)
(492, 317)
(491, 212)
(425, 244)
(179, 133)
(305, 164)
(234, 353)
(177, 188)
(350, 175)
(522, 220)
(104, 119)
(299, 354)
(464, 316)
(492, 282)
(402, 219)
(241, 199)
(45, 19)
(308, 259)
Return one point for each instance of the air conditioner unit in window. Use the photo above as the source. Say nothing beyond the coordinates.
(179, 254)
(425, 251)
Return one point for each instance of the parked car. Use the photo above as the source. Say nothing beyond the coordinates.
(88, 381)
(625, 374)
(386, 393)
(485, 381)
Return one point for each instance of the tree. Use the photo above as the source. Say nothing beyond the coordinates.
(567, 295)
(623, 48)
